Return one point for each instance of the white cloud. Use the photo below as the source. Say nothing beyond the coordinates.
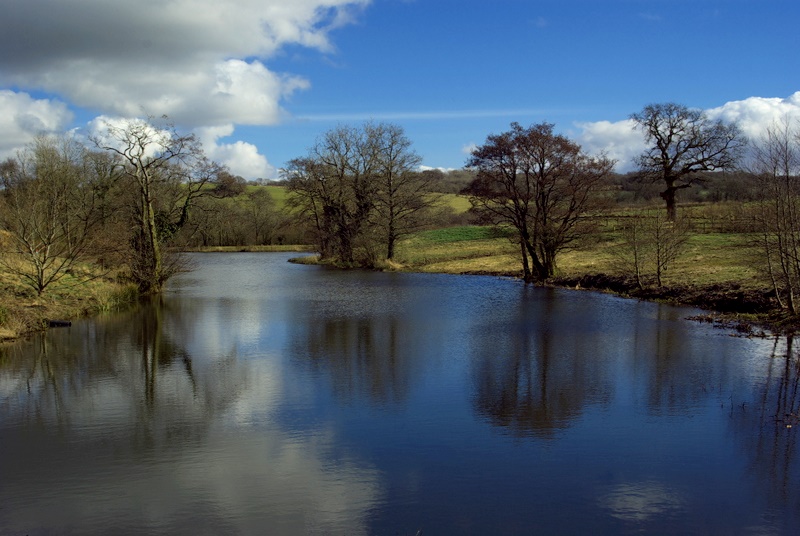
(240, 157)
(442, 169)
(469, 148)
(619, 140)
(199, 61)
(22, 117)
(755, 114)
(101, 129)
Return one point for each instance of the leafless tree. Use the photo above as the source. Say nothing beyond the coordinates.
(776, 165)
(403, 194)
(356, 186)
(49, 209)
(684, 142)
(541, 184)
(169, 172)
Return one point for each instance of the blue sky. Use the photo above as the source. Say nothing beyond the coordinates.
(259, 80)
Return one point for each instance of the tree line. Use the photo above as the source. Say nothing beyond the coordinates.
(117, 201)
(140, 190)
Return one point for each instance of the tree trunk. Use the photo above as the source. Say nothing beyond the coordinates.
(152, 284)
(526, 268)
(390, 239)
(541, 272)
(668, 196)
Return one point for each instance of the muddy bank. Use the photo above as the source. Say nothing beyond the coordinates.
(749, 311)
(722, 298)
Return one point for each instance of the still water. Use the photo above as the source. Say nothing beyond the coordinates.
(262, 397)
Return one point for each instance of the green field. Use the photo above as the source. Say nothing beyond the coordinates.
(713, 258)
(279, 194)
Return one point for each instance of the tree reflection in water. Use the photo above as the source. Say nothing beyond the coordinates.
(767, 432)
(530, 376)
(114, 426)
(132, 364)
(362, 355)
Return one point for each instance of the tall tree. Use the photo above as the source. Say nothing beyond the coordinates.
(403, 194)
(541, 184)
(683, 143)
(169, 171)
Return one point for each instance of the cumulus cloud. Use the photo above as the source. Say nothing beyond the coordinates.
(201, 62)
(755, 114)
(618, 140)
(22, 117)
(621, 141)
(240, 157)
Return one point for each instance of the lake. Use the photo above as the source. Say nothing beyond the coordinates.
(262, 397)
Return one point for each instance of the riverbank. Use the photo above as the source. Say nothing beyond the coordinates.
(80, 294)
(748, 310)
(716, 272)
(22, 312)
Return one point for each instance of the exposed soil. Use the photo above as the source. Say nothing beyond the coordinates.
(748, 311)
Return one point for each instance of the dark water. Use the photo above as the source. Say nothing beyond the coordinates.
(261, 397)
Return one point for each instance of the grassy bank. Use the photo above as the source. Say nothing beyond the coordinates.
(23, 312)
(83, 292)
(707, 259)
(716, 271)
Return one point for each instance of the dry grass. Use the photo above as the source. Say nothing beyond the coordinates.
(707, 259)
(79, 294)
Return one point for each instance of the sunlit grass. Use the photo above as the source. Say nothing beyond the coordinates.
(459, 249)
(81, 292)
(707, 259)
(458, 203)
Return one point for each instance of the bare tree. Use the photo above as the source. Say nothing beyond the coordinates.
(356, 186)
(632, 253)
(49, 210)
(169, 171)
(542, 185)
(403, 195)
(650, 245)
(684, 143)
(262, 215)
(668, 238)
(776, 165)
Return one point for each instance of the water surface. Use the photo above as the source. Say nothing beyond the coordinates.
(258, 397)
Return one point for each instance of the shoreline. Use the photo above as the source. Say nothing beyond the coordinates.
(749, 311)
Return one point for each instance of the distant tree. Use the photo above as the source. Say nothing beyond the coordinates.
(358, 189)
(542, 185)
(168, 171)
(262, 215)
(335, 187)
(49, 209)
(684, 143)
(228, 185)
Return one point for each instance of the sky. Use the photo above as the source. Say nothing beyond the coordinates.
(259, 81)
